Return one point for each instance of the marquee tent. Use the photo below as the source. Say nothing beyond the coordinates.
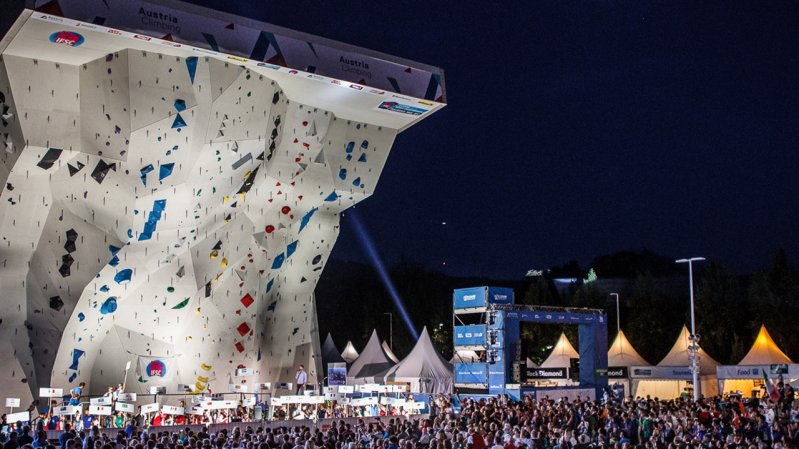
(465, 356)
(530, 364)
(424, 369)
(621, 356)
(349, 354)
(747, 375)
(671, 376)
(330, 353)
(389, 353)
(561, 354)
(371, 362)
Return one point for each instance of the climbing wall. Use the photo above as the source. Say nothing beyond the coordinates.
(181, 208)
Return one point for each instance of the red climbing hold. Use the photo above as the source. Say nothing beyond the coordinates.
(269, 229)
(285, 210)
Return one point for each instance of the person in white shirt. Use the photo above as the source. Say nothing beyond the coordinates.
(301, 377)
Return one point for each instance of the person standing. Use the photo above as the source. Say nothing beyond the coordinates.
(300, 377)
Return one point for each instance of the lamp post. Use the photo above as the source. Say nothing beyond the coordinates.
(618, 316)
(693, 347)
(390, 329)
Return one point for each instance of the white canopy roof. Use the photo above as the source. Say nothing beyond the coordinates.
(349, 354)
(389, 353)
(465, 356)
(530, 364)
(371, 361)
(678, 356)
(764, 351)
(424, 369)
(561, 353)
(622, 353)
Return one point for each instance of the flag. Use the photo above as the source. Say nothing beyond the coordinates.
(773, 394)
(158, 369)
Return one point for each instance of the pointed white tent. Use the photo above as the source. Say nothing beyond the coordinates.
(330, 353)
(561, 354)
(424, 369)
(764, 351)
(465, 356)
(371, 361)
(622, 353)
(530, 364)
(389, 353)
(678, 356)
(349, 354)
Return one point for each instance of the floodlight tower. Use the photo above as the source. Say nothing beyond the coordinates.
(693, 347)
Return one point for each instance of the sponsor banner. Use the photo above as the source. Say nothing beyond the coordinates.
(547, 373)
(618, 372)
(472, 335)
(12, 402)
(171, 410)
(12, 418)
(756, 371)
(65, 410)
(400, 108)
(124, 407)
(131, 397)
(103, 400)
(572, 394)
(471, 373)
(336, 374)
(250, 40)
(661, 372)
(149, 408)
(469, 297)
(51, 392)
(158, 369)
(103, 410)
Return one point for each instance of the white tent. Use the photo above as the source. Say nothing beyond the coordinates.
(764, 351)
(349, 354)
(424, 369)
(465, 356)
(622, 355)
(371, 361)
(561, 354)
(530, 364)
(330, 353)
(670, 387)
(389, 353)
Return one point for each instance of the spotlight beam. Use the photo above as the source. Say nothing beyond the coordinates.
(377, 264)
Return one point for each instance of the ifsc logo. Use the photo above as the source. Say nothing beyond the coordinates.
(68, 38)
(156, 368)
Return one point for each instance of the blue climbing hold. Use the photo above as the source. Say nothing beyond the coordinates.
(306, 218)
(362, 158)
(291, 248)
(81, 316)
(350, 147)
(278, 262)
(180, 104)
(269, 285)
(342, 174)
(144, 171)
(357, 181)
(165, 170)
(109, 306)
(332, 197)
(179, 122)
(123, 276)
(191, 65)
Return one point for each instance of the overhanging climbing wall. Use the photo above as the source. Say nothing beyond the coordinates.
(170, 202)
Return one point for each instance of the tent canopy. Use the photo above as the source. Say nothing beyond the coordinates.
(330, 353)
(389, 353)
(561, 354)
(622, 353)
(424, 369)
(678, 356)
(764, 351)
(371, 361)
(349, 354)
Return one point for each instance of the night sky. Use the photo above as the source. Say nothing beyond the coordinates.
(580, 128)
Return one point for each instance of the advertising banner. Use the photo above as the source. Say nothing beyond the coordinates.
(472, 335)
(471, 373)
(547, 373)
(756, 371)
(618, 372)
(336, 374)
(661, 372)
(159, 369)
(465, 298)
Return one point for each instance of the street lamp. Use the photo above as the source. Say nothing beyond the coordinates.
(693, 347)
(618, 317)
(390, 329)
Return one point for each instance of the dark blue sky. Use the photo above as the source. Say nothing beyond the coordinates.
(578, 128)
